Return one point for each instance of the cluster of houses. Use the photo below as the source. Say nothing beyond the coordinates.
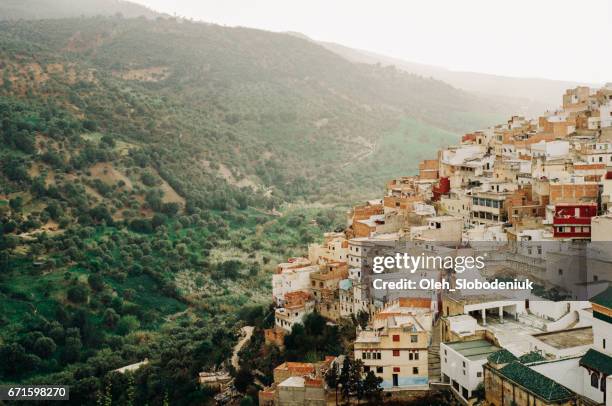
(535, 196)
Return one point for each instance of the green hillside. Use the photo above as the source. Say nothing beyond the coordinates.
(140, 163)
(44, 9)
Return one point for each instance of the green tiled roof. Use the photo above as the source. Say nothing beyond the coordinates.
(604, 298)
(502, 356)
(531, 357)
(535, 382)
(597, 361)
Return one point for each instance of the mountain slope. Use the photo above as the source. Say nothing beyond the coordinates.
(44, 9)
(140, 162)
(530, 96)
(218, 89)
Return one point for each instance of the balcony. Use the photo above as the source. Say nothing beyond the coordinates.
(571, 220)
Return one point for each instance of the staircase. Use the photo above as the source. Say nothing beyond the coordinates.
(433, 354)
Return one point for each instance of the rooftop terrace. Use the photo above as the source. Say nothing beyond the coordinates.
(474, 350)
(563, 339)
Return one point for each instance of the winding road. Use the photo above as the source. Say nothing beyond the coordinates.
(247, 332)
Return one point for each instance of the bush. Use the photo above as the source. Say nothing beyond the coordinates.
(127, 324)
(44, 347)
(77, 294)
(95, 282)
(141, 226)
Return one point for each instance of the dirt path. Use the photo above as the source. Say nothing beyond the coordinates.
(361, 155)
(247, 332)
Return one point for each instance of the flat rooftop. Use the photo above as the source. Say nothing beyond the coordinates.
(293, 381)
(563, 339)
(474, 350)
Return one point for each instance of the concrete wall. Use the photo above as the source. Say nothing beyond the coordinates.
(301, 396)
(452, 365)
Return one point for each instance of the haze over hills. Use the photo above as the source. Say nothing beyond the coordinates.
(274, 92)
(529, 96)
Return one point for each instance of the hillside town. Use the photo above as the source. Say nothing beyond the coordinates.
(533, 194)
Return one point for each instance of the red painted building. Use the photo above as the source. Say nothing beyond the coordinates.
(442, 188)
(573, 220)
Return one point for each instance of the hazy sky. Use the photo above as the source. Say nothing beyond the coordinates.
(556, 39)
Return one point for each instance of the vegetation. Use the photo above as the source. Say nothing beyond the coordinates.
(142, 164)
(350, 380)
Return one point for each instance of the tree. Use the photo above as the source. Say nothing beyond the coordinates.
(243, 379)
(16, 204)
(479, 392)
(127, 324)
(345, 378)
(332, 378)
(355, 376)
(44, 347)
(15, 361)
(141, 226)
(247, 401)
(131, 390)
(314, 323)
(77, 293)
(171, 208)
(110, 317)
(363, 318)
(371, 387)
(148, 179)
(95, 282)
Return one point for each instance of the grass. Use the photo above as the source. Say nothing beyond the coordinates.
(399, 152)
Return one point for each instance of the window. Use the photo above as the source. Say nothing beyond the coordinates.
(396, 353)
(595, 380)
(415, 370)
(479, 374)
(378, 355)
(363, 355)
(560, 271)
(414, 339)
(366, 368)
(416, 356)
(379, 370)
(410, 356)
(464, 393)
(603, 343)
(396, 337)
(463, 364)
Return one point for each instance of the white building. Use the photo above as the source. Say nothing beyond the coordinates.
(291, 280)
(439, 228)
(550, 149)
(461, 365)
(605, 115)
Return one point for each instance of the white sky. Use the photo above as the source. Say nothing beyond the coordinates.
(555, 39)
